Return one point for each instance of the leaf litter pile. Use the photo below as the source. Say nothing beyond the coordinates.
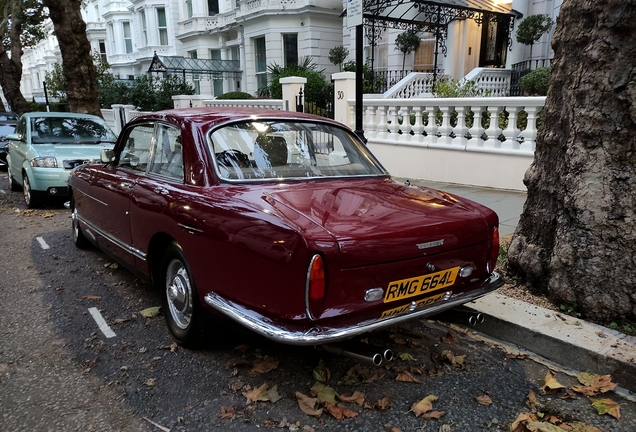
(342, 396)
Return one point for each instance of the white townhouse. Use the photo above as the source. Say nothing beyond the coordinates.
(227, 45)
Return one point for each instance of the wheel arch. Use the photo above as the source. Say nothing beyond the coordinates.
(156, 250)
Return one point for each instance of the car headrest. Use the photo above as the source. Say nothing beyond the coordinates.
(272, 149)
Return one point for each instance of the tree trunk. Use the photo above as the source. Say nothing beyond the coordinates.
(576, 238)
(11, 67)
(77, 63)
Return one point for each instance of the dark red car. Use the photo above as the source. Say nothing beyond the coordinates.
(283, 222)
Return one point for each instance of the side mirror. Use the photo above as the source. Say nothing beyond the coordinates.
(15, 137)
(107, 155)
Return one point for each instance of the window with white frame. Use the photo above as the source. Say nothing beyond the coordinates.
(111, 33)
(217, 80)
(144, 27)
(290, 49)
(102, 50)
(213, 7)
(162, 25)
(260, 63)
(188, 6)
(127, 37)
(196, 78)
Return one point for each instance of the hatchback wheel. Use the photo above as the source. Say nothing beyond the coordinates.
(181, 304)
(29, 199)
(80, 240)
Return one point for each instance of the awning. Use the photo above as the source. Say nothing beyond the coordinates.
(183, 65)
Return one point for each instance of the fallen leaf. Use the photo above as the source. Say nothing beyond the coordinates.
(484, 400)
(263, 394)
(532, 400)
(308, 405)
(450, 338)
(236, 361)
(359, 374)
(583, 427)
(264, 365)
(594, 384)
(424, 405)
(91, 297)
(150, 382)
(121, 320)
(415, 370)
(172, 347)
(433, 415)
(406, 357)
(383, 404)
(519, 425)
(307, 428)
(321, 373)
(551, 384)
(111, 265)
(150, 312)
(47, 215)
(339, 411)
(516, 356)
(405, 376)
(543, 427)
(324, 393)
(357, 397)
(227, 412)
(390, 428)
(606, 406)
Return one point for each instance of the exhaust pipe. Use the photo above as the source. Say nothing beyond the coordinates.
(361, 352)
(463, 316)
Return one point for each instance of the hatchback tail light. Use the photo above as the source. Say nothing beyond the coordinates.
(315, 287)
(494, 250)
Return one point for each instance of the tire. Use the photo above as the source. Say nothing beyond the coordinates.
(13, 186)
(29, 199)
(79, 239)
(181, 306)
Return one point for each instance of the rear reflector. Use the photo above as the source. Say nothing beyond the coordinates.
(494, 250)
(315, 288)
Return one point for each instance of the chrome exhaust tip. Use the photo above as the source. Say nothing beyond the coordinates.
(374, 358)
(480, 318)
(388, 355)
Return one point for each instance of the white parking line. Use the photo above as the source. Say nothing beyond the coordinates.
(101, 323)
(42, 243)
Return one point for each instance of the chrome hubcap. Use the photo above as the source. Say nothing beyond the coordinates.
(179, 294)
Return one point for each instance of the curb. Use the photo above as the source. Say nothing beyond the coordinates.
(560, 338)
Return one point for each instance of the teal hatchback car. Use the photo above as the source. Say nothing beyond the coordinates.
(46, 146)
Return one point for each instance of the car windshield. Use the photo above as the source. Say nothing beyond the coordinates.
(70, 130)
(282, 149)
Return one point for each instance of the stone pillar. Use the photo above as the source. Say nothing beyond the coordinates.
(344, 89)
(119, 113)
(291, 88)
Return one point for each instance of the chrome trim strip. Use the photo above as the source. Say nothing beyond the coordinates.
(126, 247)
(314, 336)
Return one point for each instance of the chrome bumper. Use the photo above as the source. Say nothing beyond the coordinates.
(293, 334)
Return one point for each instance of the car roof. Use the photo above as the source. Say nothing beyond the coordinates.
(208, 117)
(59, 115)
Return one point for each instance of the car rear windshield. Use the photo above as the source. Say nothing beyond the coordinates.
(275, 149)
(70, 130)
(6, 130)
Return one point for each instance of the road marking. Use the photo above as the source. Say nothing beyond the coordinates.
(101, 323)
(42, 243)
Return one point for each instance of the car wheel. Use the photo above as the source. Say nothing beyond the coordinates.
(13, 186)
(180, 301)
(29, 199)
(80, 240)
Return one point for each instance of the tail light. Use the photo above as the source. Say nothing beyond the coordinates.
(494, 250)
(315, 287)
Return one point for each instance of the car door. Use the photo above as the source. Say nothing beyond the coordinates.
(111, 189)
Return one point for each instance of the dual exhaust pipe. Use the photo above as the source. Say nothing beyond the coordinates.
(463, 316)
(361, 352)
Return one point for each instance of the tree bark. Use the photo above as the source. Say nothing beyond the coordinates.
(576, 239)
(77, 64)
(11, 67)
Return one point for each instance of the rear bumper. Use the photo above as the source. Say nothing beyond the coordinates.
(281, 331)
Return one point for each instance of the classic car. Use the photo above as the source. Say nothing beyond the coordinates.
(46, 146)
(283, 222)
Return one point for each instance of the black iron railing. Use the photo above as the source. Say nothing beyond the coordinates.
(523, 68)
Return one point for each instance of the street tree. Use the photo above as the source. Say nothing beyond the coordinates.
(337, 55)
(576, 239)
(78, 69)
(21, 26)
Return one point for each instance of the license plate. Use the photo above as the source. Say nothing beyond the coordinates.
(405, 288)
(419, 304)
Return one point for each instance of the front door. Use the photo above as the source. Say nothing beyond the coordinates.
(494, 41)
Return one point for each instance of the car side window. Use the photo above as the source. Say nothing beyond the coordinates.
(136, 152)
(167, 157)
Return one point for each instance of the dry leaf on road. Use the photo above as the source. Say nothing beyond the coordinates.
(606, 406)
(308, 405)
(594, 384)
(264, 365)
(324, 393)
(339, 411)
(405, 376)
(357, 397)
(551, 385)
(484, 400)
(424, 405)
(227, 412)
(150, 312)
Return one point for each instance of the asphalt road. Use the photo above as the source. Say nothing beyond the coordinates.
(60, 372)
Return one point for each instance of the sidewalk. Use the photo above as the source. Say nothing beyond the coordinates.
(568, 341)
